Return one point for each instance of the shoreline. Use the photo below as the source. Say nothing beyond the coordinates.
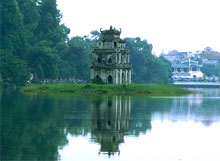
(131, 89)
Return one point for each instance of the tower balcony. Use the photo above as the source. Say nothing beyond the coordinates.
(111, 66)
(110, 50)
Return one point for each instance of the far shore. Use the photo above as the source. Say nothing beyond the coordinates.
(131, 89)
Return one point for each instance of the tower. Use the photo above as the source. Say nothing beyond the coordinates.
(111, 62)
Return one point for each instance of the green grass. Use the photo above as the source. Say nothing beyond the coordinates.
(136, 89)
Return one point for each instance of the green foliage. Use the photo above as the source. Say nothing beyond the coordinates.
(95, 34)
(31, 32)
(78, 56)
(34, 41)
(43, 61)
(12, 29)
(147, 68)
(13, 69)
(210, 70)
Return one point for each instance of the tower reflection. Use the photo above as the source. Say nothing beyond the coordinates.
(110, 122)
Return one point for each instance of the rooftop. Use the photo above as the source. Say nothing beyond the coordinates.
(111, 31)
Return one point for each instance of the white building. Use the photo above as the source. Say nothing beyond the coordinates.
(187, 69)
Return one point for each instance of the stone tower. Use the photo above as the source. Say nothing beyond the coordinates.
(111, 62)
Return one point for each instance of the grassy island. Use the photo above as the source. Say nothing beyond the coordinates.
(137, 89)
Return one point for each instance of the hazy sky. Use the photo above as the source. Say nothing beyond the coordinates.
(184, 25)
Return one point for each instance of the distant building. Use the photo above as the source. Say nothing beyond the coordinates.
(111, 62)
(211, 58)
(186, 69)
(185, 65)
(175, 56)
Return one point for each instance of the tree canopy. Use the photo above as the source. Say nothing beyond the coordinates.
(147, 68)
(34, 44)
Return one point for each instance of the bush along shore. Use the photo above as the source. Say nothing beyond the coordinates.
(132, 89)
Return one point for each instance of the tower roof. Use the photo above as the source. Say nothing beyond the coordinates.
(111, 31)
(111, 35)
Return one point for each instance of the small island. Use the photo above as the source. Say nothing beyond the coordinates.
(131, 89)
(110, 72)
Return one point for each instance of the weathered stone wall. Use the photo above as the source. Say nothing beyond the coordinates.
(111, 59)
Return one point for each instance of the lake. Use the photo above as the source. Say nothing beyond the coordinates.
(114, 128)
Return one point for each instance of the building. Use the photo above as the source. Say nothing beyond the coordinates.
(211, 58)
(175, 56)
(188, 69)
(111, 62)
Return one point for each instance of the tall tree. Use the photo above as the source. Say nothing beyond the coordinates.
(147, 68)
(50, 43)
(79, 56)
(12, 35)
(13, 67)
(43, 61)
(49, 27)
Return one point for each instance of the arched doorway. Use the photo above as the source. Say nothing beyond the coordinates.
(97, 80)
(110, 79)
(194, 78)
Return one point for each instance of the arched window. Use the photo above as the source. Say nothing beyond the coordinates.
(115, 44)
(109, 103)
(123, 78)
(128, 77)
(110, 60)
(119, 77)
(109, 122)
(99, 59)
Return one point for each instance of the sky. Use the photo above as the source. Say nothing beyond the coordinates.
(183, 25)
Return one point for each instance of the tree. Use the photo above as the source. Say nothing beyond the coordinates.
(12, 35)
(79, 55)
(95, 34)
(147, 68)
(43, 61)
(49, 27)
(13, 70)
(211, 70)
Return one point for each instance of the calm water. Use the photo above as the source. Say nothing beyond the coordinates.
(112, 128)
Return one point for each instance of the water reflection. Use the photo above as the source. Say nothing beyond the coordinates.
(39, 127)
(110, 122)
(201, 107)
(31, 127)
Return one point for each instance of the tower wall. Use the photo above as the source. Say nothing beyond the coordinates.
(111, 62)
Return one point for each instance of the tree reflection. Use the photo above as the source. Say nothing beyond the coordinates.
(34, 127)
(30, 128)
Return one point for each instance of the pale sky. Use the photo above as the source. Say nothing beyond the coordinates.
(183, 25)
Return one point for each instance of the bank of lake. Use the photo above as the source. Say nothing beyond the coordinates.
(131, 89)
